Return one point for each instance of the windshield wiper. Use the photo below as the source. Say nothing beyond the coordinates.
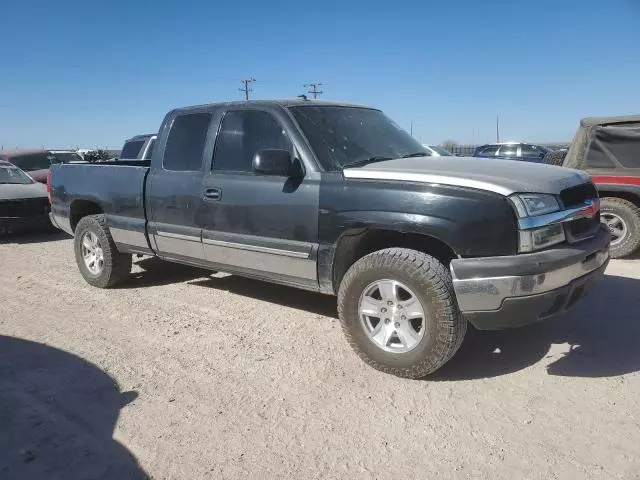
(416, 154)
(365, 161)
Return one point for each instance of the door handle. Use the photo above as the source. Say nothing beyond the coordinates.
(212, 194)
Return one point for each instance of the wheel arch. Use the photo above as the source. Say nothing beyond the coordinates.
(81, 208)
(357, 243)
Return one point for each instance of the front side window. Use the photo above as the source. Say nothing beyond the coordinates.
(488, 151)
(185, 143)
(340, 136)
(242, 134)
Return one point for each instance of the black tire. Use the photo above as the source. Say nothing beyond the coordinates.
(630, 215)
(431, 281)
(117, 266)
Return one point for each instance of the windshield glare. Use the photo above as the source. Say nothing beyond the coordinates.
(14, 175)
(343, 135)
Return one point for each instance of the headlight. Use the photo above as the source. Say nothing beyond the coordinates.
(532, 240)
(533, 204)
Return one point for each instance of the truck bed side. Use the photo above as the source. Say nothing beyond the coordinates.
(116, 190)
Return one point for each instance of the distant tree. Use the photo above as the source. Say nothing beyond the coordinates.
(97, 156)
(449, 144)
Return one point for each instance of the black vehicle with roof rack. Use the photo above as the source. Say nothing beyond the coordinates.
(336, 198)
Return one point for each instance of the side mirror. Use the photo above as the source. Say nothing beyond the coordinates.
(275, 162)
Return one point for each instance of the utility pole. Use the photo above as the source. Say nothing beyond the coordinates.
(313, 89)
(497, 129)
(246, 88)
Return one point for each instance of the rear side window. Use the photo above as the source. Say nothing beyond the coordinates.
(131, 149)
(532, 151)
(243, 133)
(596, 158)
(185, 143)
(623, 143)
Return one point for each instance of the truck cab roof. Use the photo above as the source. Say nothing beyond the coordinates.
(283, 103)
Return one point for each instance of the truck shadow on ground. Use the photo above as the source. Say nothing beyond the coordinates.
(601, 335)
(57, 415)
(601, 332)
(156, 272)
(286, 296)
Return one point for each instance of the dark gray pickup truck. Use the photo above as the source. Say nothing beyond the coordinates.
(338, 199)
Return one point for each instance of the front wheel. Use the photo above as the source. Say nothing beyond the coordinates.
(97, 257)
(398, 312)
(623, 219)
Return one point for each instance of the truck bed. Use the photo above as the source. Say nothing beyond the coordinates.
(118, 188)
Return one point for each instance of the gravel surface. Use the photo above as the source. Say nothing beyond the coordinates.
(179, 374)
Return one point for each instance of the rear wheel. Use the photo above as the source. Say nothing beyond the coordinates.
(398, 312)
(97, 257)
(623, 219)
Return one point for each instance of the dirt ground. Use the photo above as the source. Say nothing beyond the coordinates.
(182, 375)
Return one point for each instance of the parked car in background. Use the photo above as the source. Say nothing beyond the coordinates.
(437, 151)
(139, 147)
(413, 246)
(513, 151)
(35, 162)
(609, 150)
(67, 156)
(23, 202)
(38, 162)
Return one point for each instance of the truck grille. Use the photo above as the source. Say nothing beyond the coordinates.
(582, 228)
(26, 207)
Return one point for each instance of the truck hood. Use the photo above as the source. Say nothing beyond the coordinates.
(504, 177)
(10, 191)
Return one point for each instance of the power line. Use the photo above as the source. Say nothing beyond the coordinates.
(313, 89)
(246, 88)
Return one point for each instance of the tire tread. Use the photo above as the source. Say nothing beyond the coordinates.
(427, 268)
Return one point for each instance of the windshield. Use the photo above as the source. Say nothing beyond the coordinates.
(66, 157)
(442, 151)
(346, 135)
(14, 175)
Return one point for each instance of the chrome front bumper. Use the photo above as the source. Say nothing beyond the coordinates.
(522, 289)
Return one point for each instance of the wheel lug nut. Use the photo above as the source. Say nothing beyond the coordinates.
(399, 307)
(387, 321)
(389, 302)
(383, 310)
(403, 317)
(397, 324)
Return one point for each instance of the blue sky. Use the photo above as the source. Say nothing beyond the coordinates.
(84, 73)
